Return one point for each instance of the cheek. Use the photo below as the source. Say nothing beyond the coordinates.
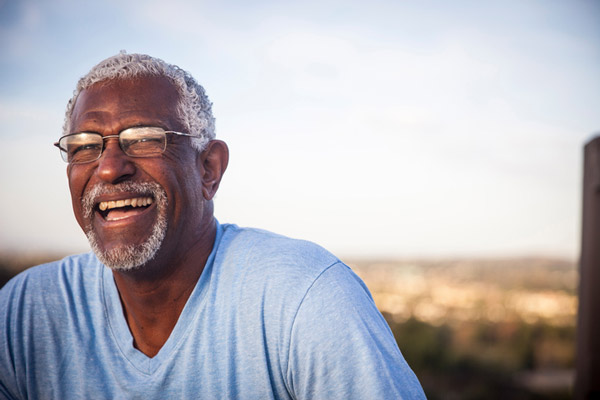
(190, 186)
(184, 192)
(76, 187)
(181, 177)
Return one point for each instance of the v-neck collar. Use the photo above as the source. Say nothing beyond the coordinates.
(119, 330)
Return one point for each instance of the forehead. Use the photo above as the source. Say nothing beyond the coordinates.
(117, 104)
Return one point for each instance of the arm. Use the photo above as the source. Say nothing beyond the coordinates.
(342, 348)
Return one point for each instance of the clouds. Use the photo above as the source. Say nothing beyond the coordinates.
(20, 23)
(388, 128)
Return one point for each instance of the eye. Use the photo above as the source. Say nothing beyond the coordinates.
(84, 152)
(84, 147)
(143, 141)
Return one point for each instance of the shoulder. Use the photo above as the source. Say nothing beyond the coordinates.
(66, 268)
(69, 276)
(272, 252)
(272, 265)
(283, 275)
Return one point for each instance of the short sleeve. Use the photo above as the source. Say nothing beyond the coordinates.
(11, 300)
(342, 348)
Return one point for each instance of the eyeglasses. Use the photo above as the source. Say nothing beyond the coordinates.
(138, 141)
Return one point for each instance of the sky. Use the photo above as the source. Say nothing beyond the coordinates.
(379, 129)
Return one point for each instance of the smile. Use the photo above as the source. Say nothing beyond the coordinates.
(115, 210)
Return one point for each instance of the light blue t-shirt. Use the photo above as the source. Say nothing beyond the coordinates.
(270, 318)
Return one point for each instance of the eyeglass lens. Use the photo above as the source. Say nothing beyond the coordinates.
(136, 142)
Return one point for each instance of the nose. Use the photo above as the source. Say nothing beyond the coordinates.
(114, 166)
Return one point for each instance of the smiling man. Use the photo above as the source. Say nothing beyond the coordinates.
(170, 303)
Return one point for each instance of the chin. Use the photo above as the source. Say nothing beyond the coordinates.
(131, 257)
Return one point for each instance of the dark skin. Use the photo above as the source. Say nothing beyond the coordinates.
(154, 294)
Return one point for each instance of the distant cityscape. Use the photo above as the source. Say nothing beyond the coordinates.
(449, 291)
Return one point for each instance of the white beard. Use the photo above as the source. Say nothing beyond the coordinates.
(127, 257)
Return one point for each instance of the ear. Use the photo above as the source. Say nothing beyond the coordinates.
(213, 162)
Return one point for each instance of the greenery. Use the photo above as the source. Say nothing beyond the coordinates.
(481, 360)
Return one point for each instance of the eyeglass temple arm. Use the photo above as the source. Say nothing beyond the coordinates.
(57, 144)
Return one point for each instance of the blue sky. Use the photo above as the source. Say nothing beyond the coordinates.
(390, 128)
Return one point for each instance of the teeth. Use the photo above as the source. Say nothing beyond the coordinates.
(135, 202)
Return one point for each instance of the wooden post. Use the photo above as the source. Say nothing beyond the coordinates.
(587, 381)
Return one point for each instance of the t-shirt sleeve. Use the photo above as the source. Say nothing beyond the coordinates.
(342, 348)
(10, 299)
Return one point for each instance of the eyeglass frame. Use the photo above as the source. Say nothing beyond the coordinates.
(118, 136)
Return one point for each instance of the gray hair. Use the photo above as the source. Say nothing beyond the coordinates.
(194, 109)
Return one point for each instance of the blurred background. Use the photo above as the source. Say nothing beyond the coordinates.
(436, 147)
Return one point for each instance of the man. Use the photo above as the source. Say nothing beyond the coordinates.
(172, 304)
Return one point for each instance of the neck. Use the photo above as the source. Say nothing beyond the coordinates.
(154, 295)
